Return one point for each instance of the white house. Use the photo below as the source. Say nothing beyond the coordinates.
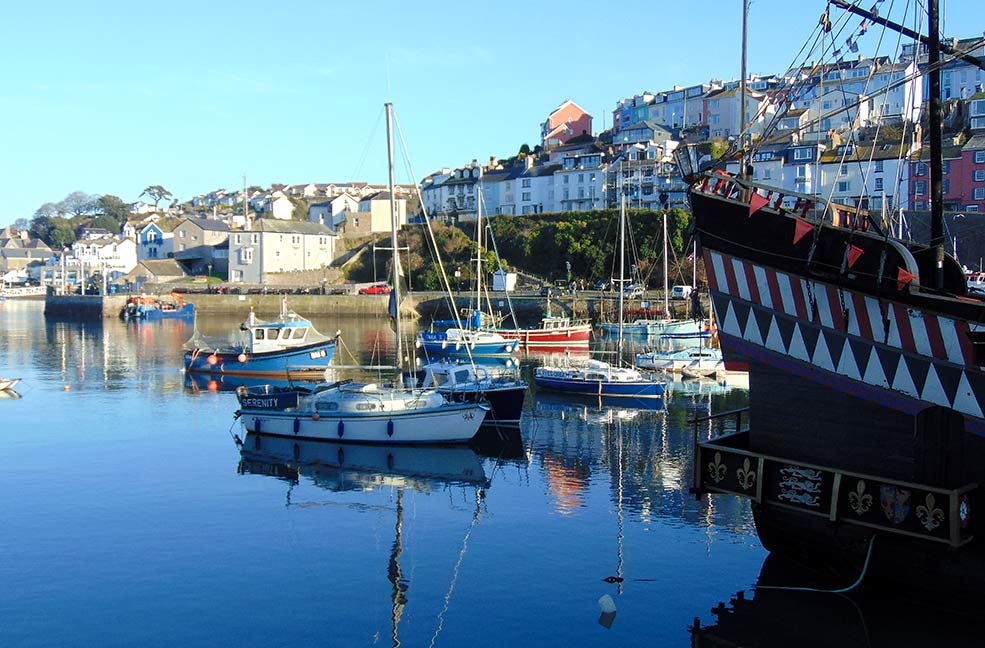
(332, 214)
(111, 255)
(279, 246)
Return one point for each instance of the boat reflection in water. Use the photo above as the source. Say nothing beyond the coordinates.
(197, 382)
(788, 608)
(590, 408)
(359, 468)
(346, 466)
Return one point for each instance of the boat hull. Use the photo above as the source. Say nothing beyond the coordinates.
(313, 358)
(452, 423)
(506, 403)
(576, 335)
(646, 389)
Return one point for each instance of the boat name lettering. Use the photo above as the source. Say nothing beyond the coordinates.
(259, 402)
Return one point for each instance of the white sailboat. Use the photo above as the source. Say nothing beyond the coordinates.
(369, 412)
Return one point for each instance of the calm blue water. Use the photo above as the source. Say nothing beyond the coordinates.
(130, 517)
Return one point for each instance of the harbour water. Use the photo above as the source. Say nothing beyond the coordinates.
(131, 517)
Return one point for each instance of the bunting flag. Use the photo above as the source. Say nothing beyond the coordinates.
(779, 202)
(802, 229)
(903, 278)
(852, 45)
(854, 252)
(757, 202)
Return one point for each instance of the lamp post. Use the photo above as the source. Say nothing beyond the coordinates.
(208, 277)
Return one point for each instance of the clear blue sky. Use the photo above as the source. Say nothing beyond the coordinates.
(110, 97)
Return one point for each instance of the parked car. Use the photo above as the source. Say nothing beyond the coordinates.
(680, 292)
(603, 285)
(375, 289)
(633, 291)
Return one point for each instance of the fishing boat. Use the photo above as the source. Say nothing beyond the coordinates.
(8, 383)
(379, 413)
(472, 382)
(288, 346)
(598, 377)
(875, 336)
(144, 307)
(551, 332)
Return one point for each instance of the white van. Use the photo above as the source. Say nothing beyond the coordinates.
(680, 292)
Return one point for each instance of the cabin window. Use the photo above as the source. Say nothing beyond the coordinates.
(273, 334)
(462, 376)
(326, 407)
(365, 407)
(299, 333)
(258, 334)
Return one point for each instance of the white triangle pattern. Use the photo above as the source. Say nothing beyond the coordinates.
(903, 381)
(933, 391)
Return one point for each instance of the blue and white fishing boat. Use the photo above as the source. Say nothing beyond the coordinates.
(151, 309)
(287, 347)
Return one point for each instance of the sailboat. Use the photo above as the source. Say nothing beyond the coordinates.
(876, 337)
(469, 340)
(358, 412)
(601, 378)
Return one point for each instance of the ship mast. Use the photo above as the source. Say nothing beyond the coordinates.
(935, 46)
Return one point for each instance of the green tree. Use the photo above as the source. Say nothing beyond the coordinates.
(157, 193)
(78, 203)
(114, 208)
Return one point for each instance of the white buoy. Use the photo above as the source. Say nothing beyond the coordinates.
(607, 605)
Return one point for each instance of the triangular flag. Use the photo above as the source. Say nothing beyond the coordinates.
(803, 228)
(853, 254)
(903, 278)
(757, 202)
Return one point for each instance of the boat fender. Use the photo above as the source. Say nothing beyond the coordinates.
(257, 426)
(444, 344)
(297, 425)
(297, 452)
(213, 359)
(242, 358)
(341, 428)
(341, 456)
(315, 417)
(389, 428)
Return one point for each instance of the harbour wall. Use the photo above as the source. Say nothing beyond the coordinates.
(528, 308)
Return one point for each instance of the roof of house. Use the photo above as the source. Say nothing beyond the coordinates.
(161, 267)
(208, 224)
(289, 227)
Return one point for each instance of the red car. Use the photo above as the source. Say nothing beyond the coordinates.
(377, 289)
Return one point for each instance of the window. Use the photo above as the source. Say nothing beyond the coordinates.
(979, 193)
(767, 174)
(525, 183)
(920, 169)
(565, 181)
(843, 170)
(947, 167)
(946, 186)
(526, 195)
(844, 186)
(878, 184)
(246, 256)
(971, 208)
(878, 166)
(181, 233)
(581, 178)
(239, 239)
(980, 155)
(979, 175)
(802, 154)
(920, 187)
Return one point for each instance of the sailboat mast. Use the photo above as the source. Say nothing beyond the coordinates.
(936, 152)
(622, 271)
(666, 278)
(742, 92)
(478, 243)
(393, 233)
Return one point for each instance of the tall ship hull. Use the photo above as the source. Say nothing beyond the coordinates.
(836, 322)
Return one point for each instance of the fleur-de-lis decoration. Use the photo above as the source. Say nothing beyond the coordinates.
(860, 500)
(746, 477)
(930, 517)
(717, 469)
